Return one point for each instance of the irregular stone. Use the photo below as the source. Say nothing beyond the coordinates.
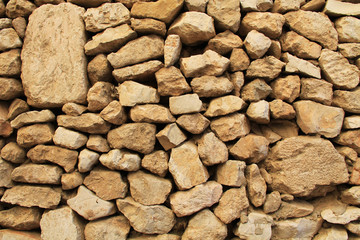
(293, 209)
(194, 123)
(196, 5)
(297, 65)
(284, 128)
(117, 159)
(10, 63)
(347, 152)
(272, 202)
(256, 5)
(224, 105)
(97, 143)
(230, 127)
(137, 51)
(114, 113)
(100, 95)
(268, 68)
(239, 60)
(105, 16)
(184, 203)
(171, 82)
(305, 154)
(267, 23)
(349, 138)
(183, 104)
(9, 39)
(87, 160)
(313, 5)
(42, 2)
(32, 117)
(314, 117)
(349, 50)
(348, 29)
(286, 88)
(347, 100)
(116, 227)
(89, 4)
(99, 69)
(205, 225)
(20, 218)
(61, 156)
(138, 72)
(12, 152)
(353, 227)
(275, 49)
(2, 8)
(304, 228)
(281, 110)
(282, 6)
(53, 85)
(269, 134)
(172, 49)
(35, 134)
(335, 232)
(226, 14)
(71, 180)
(156, 162)
(256, 44)
(193, 28)
(314, 26)
(259, 112)
(351, 195)
(5, 170)
(148, 26)
(255, 90)
(32, 196)
(17, 107)
(338, 70)
(142, 218)
(252, 148)
(61, 223)
(19, 8)
(299, 46)
(106, 184)
(258, 226)
(224, 42)
(87, 122)
(211, 86)
(336, 8)
(20, 25)
(231, 173)
(256, 185)
(37, 173)
(132, 93)
(19, 235)
(210, 63)
(73, 109)
(151, 113)
(5, 22)
(69, 139)
(212, 150)
(171, 136)
(352, 122)
(351, 213)
(316, 90)
(238, 81)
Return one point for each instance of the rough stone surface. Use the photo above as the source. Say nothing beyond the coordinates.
(9, 39)
(335, 232)
(239, 60)
(348, 29)
(35, 134)
(225, 13)
(224, 42)
(256, 5)
(316, 90)
(281, 110)
(138, 72)
(17, 107)
(224, 105)
(97, 143)
(194, 123)
(183, 104)
(211, 86)
(99, 69)
(87, 160)
(151, 113)
(20, 218)
(286, 88)
(32, 117)
(19, 235)
(132, 93)
(256, 185)
(100, 95)
(259, 112)
(348, 100)
(255, 90)
(148, 26)
(19, 8)
(272, 202)
(69, 139)
(300, 46)
(110, 228)
(298, 65)
(231, 173)
(350, 138)
(349, 50)
(251, 148)
(87, 122)
(172, 49)
(114, 113)
(117, 159)
(293, 209)
(10, 63)
(171, 136)
(71, 180)
(351, 213)
(12, 152)
(5, 170)
(268, 68)
(37, 173)
(290, 228)
(156, 162)
(282, 6)
(256, 44)
(352, 122)
(258, 226)
(171, 82)
(230, 127)
(211, 149)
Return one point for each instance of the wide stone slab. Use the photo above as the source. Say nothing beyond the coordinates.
(54, 70)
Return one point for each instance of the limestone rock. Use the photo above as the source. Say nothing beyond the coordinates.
(284, 128)
(32, 117)
(87, 122)
(338, 70)
(256, 44)
(306, 156)
(347, 152)
(114, 113)
(335, 232)
(73, 109)
(116, 227)
(117, 159)
(35, 134)
(89, 206)
(142, 218)
(255, 90)
(314, 117)
(87, 160)
(224, 42)
(10, 63)
(282, 6)
(61, 156)
(138, 72)
(172, 49)
(132, 93)
(352, 122)
(212, 150)
(141, 191)
(194, 123)
(299, 46)
(205, 225)
(225, 13)
(19, 235)
(196, 5)
(256, 5)
(137, 51)
(32, 196)
(100, 95)
(304, 228)
(281, 110)
(71, 180)
(19, 25)
(99, 69)
(239, 60)
(231, 173)
(316, 90)
(224, 105)
(286, 88)
(138, 137)
(61, 223)
(17, 107)
(97, 143)
(183, 104)
(19, 8)
(272, 202)
(259, 112)
(105, 16)
(349, 50)
(351, 213)
(350, 138)
(313, 5)
(171, 82)
(351, 195)
(53, 85)
(184, 203)
(37, 173)
(256, 185)
(106, 184)
(347, 100)
(171, 136)
(258, 226)
(20, 218)
(211, 86)
(12, 152)
(9, 39)
(297, 65)
(268, 68)
(5, 170)
(151, 113)
(5, 22)
(314, 26)
(230, 127)
(348, 29)
(293, 209)
(156, 162)
(337, 8)
(193, 28)
(251, 148)
(69, 139)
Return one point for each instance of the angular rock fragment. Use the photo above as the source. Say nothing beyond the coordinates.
(230, 127)
(272, 202)
(348, 100)
(282, 6)
(348, 29)
(196, 5)
(32, 117)
(100, 95)
(351, 213)
(239, 60)
(352, 122)
(87, 160)
(17, 107)
(251, 148)
(97, 143)
(19, 8)
(132, 93)
(5, 22)
(172, 49)
(256, 44)
(256, 5)
(151, 113)
(231, 173)
(87, 3)
(299, 46)
(23, 235)
(336, 8)
(225, 13)
(335, 232)
(350, 138)
(211, 86)
(20, 218)
(10, 63)
(138, 72)
(73, 109)
(69, 139)
(117, 159)
(37, 173)
(5, 170)
(99, 69)
(87, 122)
(286, 88)
(259, 112)
(293, 209)
(255, 90)
(156, 162)
(256, 185)
(9, 39)
(224, 105)
(258, 226)
(183, 104)
(12, 152)
(148, 26)
(35, 134)
(224, 42)
(349, 50)
(171, 136)
(211, 149)
(297, 65)
(304, 228)
(194, 123)
(316, 90)
(281, 110)
(71, 180)
(351, 195)
(313, 5)
(116, 227)
(268, 68)
(114, 113)
(171, 82)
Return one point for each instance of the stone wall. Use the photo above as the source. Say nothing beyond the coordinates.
(179, 119)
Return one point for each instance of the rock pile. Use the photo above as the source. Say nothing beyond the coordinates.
(179, 119)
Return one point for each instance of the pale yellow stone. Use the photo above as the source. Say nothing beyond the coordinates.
(71, 180)
(211, 86)
(138, 72)
(300, 46)
(156, 162)
(183, 104)
(255, 90)
(172, 49)
(194, 123)
(259, 112)
(116, 227)
(256, 44)
(32, 135)
(316, 90)
(171, 82)
(230, 127)
(100, 95)
(37, 173)
(286, 88)
(132, 93)
(151, 113)
(148, 26)
(117, 159)
(225, 13)
(251, 148)
(171, 136)
(114, 113)
(298, 65)
(224, 42)
(69, 139)
(231, 173)
(258, 226)
(211, 149)
(256, 185)
(87, 122)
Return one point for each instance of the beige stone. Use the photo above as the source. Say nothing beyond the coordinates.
(61, 156)
(352, 122)
(335, 232)
(132, 93)
(282, 6)
(256, 5)
(299, 46)
(256, 186)
(349, 50)
(183, 104)
(61, 223)
(255, 90)
(194, 123)
(19, 235)
(100, 95)
(268, 68)
(3, 9)
(224, 105)
(304, 228)
(272, 202)
(142, 218)
(137, 51)
(5, 170)
(148, 26)
(171, 82)
(351, 213)
(99, 69)
(196, 5)
(71, 180)
(305, 177)
(351, 195)
(275, 49)
(230, 127)
(239, 60)
(73, 109)
(32, 117)
(281, 110)
(225, 13)
(269, 134)
(53, 85)
(347, 152)
(348, 29)
(316, 90)
(114, 113)
(19, 8)
(184, 203)
(347, 100)
(97, 143)
(193, 28)
(258, 226)
(151, 113)
(286, 88)
(55, 2)
(238, 80)
(37, 173)
(35, 134)
(293, 209)
(313, 5)
(337, 8)
(172, 49)
(10, 63)
(185, 166)
(69, 139)
(20, 218)
(259, 112)
(350, 138)
(109, 228)
(156, 162)
(224, 42)
(252, 148)
(12, 152)
(32, 196)
(231, 173)
(353, 227)
(314, 117)
(138, 72)
(9, 39)
(284, 128)
(5, 22)
(298, 65)
(211, 149)
(88, 122)
(17, 107)
(106, 184)
(171, 136)
(256, 44)
(211, 86)
(314, 26)
(87, 160)
(205, 225)
(117, 159)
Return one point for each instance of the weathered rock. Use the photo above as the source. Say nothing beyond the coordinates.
(110, 228)
(258, 226)
(347, 152)
(351, 195)
(205, 225)
(172, 49)
(256, 5)
(293, 209)
(73, 109)
(48, 86)
(314, 26)
(20, 218)
(19, 8)
(184, 203)
(351, 213)
(212, 150)
(313, 5)
(272, 202)
(12, 152)
(35, 134)
(281, 110)
(316, 90)
(3, 9)
(284, 128)
(69, 139)
(275, 49)
(297, 65)
(193, 28)
(171, 136)
(32, 196)
(239, 60)
(348, 29)
(314, 117)
(138, 72)
(352, 122)
(171, 82)
(10, 63)
(89, 206)
(224, 42)
(336, 8)
(211, 86)
(5, 22)
(226, 14)
(224, 105)
(231, 173)
(71, 180)
(306, 157)
(32, 117)
(105, 16)
(269, 134)
(87, 122)
(97, 143)
(151, 113)
(251, 148)
(17, 107)
(350, 138)
(42, 2)
(142, 218)
(335, 232)
(256, 185)
(194, 123)
(304, 228)
(230, 127)
(183, 104)
(132, 93)
(137, 51)
(5, 170)
(299, 46)
(259, 112)
(63, 157)
(114, 113)
(9, 39)
(61, 223)
(268, 68)
(256, 44)
(347, 100)
(282, 6)
(19, 25)
(19, 235)
(186, 167)
(106, 184)
(37, 173)
(349, 50)
(100, 95)
(255, 90)
(117, 159)
(196, 5)
(87, 160)
(286, 88)
(156, 162)
(148, 26)
(99, 69)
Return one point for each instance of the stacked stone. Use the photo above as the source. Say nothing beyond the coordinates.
(179, 119)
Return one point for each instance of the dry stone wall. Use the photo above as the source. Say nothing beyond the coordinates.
(179, 119)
